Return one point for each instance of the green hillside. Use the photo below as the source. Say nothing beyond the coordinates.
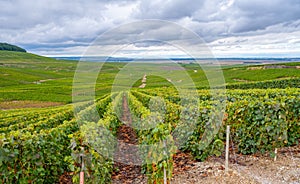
(30, 77)
(22, 57)
(25, 76)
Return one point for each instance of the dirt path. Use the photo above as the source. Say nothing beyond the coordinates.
(127, 154)
(46, 80)
(131, 173)
(144, 80)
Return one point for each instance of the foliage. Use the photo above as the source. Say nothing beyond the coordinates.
(264, 124)
(283, 83)
(9, 47)
(260, 120)
(94, 144)
(156, 143)
(33, 158)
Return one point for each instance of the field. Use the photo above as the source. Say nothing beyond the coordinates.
(45, 138)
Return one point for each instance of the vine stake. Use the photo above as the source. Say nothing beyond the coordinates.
(227, 148)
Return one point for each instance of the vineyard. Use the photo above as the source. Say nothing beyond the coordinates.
(42, 145)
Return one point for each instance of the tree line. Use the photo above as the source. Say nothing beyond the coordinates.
(9, 47)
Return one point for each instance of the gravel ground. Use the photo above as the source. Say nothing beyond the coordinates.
(246, 169)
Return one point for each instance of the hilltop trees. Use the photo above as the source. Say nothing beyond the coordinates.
(9, 47)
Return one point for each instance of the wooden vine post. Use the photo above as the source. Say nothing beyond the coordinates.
(82, 170)
(275, 157)
(227, 148)
(165, 172)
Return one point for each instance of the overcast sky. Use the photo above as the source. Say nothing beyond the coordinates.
(231, 28)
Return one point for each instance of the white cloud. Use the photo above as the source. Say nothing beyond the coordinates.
(228, 26)
(274, 43)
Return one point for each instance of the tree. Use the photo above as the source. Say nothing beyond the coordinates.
(9, 47)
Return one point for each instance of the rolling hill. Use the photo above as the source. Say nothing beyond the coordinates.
(30, 77)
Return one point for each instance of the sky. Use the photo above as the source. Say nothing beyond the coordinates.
(229, 28)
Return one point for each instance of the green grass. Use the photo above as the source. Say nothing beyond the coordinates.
(22, 57)
(25, 76)
(290, 64)
(233, 75)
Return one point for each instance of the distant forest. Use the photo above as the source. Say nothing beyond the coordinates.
(9, 47)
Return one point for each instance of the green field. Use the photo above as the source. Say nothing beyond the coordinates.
(39, 145)
(25, 76)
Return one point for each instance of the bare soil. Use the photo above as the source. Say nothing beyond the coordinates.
(126, 169)
(27, 104)
(246, 169)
